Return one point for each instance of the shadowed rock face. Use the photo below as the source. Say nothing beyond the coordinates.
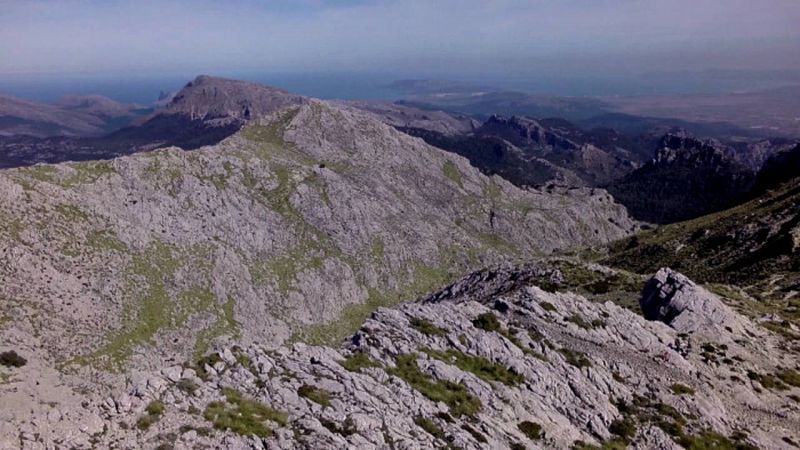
(675, 300)
(687, 178)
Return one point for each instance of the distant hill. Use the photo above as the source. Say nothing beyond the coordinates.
(75, 116)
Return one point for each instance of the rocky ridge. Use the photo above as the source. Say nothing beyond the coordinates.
(492, 361)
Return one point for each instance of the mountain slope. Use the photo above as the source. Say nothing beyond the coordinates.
(755, 247)
(492, 361)
(688, 177)
(299, 224)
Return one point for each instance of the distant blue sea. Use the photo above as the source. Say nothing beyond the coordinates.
(144, 89)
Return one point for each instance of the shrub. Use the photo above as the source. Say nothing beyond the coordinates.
(315, 394)
(579, 321)
(242, 415)
(146, 421)
(487, 322)
(481, 367)
(12, 359)
(790, 377)
(454, 395)
(577, 359)
(477, 435)
(155, 408)
(188, 386)
(531, 429)
(681, 389)
(357, 361)
(547, 306)
(427, 328)
(623, 428)
(429, 426)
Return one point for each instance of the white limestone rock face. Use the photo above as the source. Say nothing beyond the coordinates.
(468, 367)
(672, 298)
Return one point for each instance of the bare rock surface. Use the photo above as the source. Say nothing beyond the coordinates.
(493, 361)
(672, 298)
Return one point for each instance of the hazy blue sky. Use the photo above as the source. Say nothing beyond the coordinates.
(433, 36)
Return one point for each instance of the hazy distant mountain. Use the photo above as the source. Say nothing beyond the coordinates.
(72, 116)
(688, 177)
(403, 116)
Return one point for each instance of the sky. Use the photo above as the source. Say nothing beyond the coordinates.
(440, 38)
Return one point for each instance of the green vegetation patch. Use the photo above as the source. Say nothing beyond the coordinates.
(479, 366)
(454, 395)
(531, 429)
(242, 415)
(681, 389)
(153, 412)
(430, 427)
(88, 173)
(426, 327)
(315, 394)
(450, 170)
(357, 361)
(574, 358)
(424, 279)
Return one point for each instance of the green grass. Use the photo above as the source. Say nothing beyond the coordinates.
(430, 427)
(478, 366)
(454, 395)
(747, 246)
(426, 327)
(88, 173)
(424, 279)
(154, 410)
(450, 170)
(355, 362)
(242, 415)
(317, 395)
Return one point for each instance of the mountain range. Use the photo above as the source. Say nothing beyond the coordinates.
(246, 268)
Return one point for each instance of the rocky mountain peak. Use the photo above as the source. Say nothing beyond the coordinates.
(222, 101)
(679, 147)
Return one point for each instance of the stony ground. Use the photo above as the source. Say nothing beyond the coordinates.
(497, 360)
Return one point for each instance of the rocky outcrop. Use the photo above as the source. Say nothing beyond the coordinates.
(491, 362)
(672, 298)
